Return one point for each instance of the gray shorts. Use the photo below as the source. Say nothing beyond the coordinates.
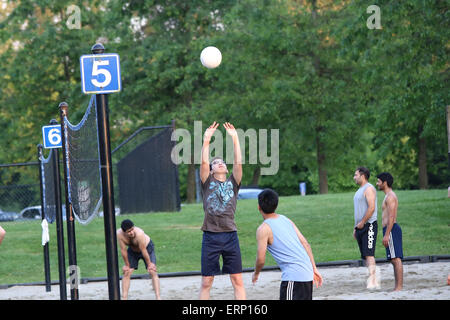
(134, 257)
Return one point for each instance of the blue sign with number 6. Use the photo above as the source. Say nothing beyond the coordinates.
(100, 73)
(52, 136)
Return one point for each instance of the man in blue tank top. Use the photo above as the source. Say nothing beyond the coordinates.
(291, 251)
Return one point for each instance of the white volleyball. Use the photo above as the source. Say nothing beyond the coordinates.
(211, 57)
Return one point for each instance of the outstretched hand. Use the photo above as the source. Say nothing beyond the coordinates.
(230, 129)
(210, 131)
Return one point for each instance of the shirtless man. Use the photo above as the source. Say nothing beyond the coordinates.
(392, 233)
(140, 246)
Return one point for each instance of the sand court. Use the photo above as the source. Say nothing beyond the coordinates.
(422, 281)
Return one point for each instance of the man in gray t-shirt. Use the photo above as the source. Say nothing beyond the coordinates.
(366, 227)
(219, 204)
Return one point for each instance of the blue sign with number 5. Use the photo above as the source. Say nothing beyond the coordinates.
(52, 136)
(100, 73)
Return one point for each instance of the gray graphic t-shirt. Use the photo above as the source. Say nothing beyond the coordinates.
(219, 204)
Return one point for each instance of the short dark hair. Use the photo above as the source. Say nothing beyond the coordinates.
(268, 200)
(365, 172)
(386, 176)
(127, 224)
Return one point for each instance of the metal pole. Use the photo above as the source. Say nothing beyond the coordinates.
(71, 241)
(109, 217)
(59, 223)
(48, 286)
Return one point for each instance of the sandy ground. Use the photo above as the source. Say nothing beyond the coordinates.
(421, 281)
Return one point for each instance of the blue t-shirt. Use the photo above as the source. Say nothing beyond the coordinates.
(288, 252)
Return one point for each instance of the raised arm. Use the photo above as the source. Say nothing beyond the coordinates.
(204, 167)
(237, 165)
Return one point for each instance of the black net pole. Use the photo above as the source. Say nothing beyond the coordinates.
(109, 217)
(59, 223)
(71, 240)
(48, 286)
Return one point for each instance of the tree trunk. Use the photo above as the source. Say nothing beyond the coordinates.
(256, 176)
(323, 179)
(423, 174)
(190, 183)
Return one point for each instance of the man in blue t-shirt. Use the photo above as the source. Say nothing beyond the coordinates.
(290, 249)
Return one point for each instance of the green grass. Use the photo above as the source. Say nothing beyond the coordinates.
(325, 220)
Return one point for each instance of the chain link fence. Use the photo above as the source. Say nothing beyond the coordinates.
(19, 189)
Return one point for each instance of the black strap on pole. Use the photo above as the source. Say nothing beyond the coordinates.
(109, 217)
(48, 286)
(71, 240)
(59, 223)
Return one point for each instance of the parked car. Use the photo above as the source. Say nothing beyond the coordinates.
(34, 213)
(8, 216)
(116, 212)
(249, 193)
(30, 213)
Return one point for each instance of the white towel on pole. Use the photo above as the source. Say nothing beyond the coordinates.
(45, 234)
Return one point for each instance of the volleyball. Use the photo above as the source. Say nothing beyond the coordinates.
(211, 57)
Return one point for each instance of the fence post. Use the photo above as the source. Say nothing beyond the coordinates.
(109, 218)
(59, 222)
(48, 286)
(71, 241)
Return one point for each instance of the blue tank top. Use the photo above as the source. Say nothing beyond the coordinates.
(288, 252)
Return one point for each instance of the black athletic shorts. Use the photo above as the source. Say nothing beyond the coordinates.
(295, 290)
(134, 257)
(216, 244)
(367, 238)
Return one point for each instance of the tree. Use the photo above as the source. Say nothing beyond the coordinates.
(404, 70)
(283, 71)
(161, 43)
(39, 69)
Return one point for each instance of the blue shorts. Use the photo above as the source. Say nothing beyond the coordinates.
(395, 248)
(134, 257)
(214, 245)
